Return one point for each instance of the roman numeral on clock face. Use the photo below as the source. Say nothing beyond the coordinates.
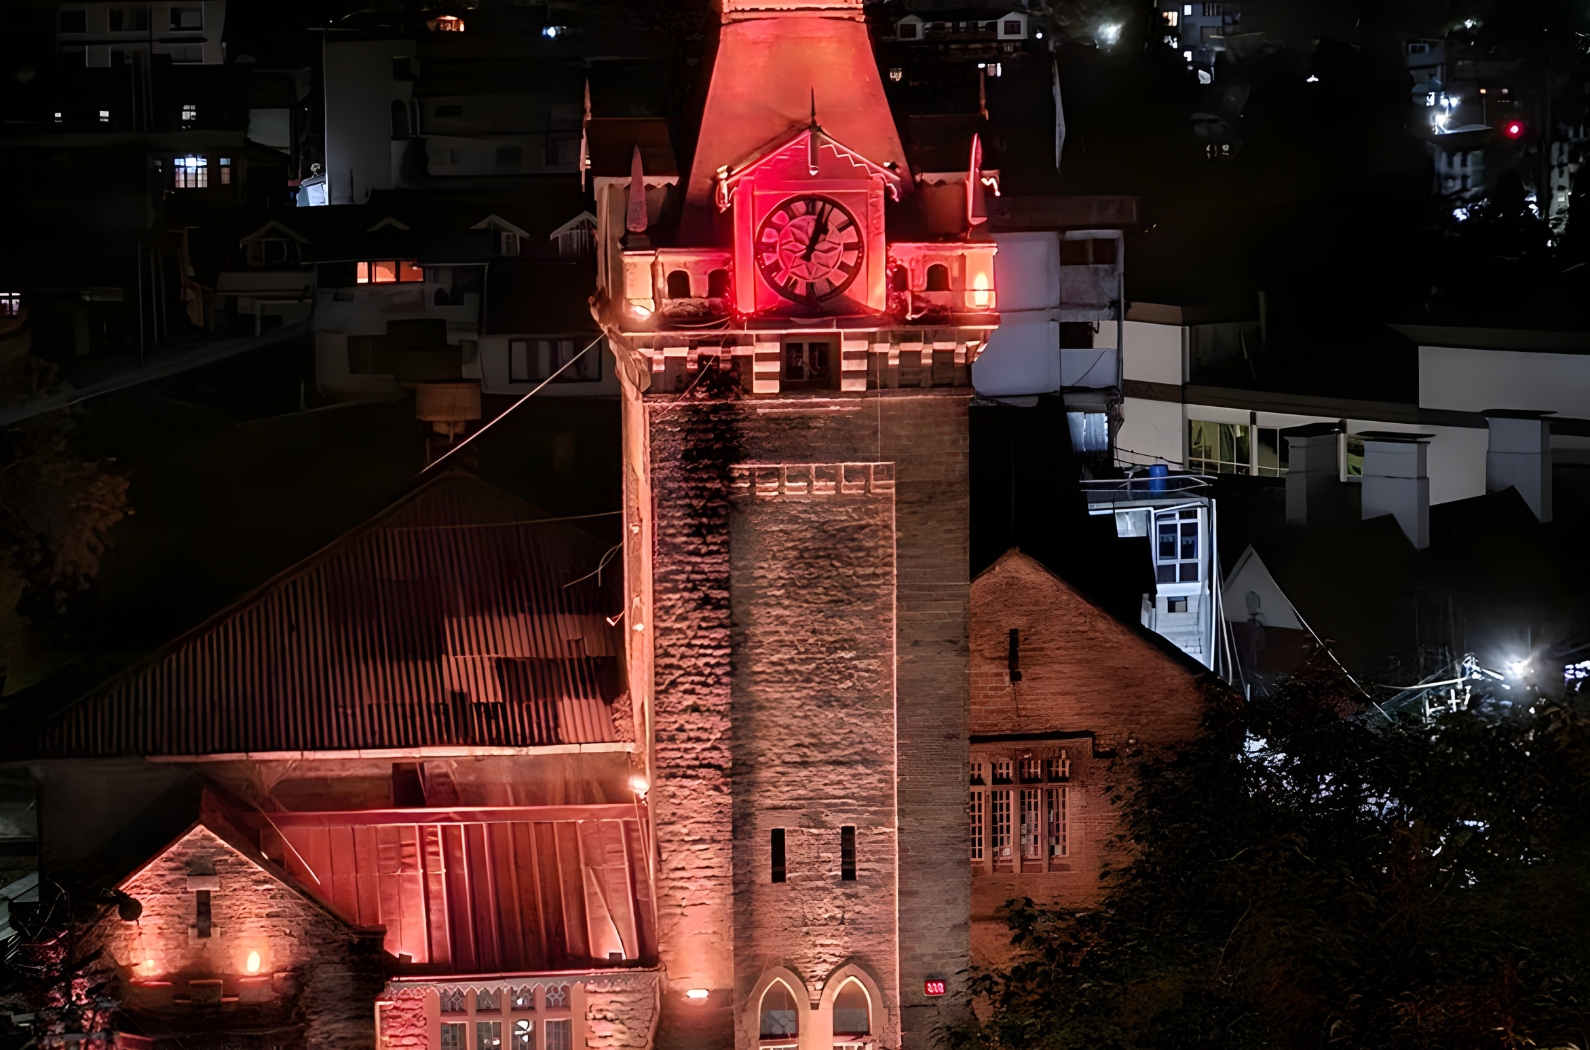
(809, 248)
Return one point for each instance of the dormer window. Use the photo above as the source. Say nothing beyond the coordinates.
(388, 271)
(907, 30)
(273, 251)
(10, 304)
(508, 243)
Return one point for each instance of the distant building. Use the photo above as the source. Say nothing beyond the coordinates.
(1064, 699)
(1197, 32)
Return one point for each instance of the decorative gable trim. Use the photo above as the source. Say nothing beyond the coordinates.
(386, 223)
(815, 144)
(273, 230)
(498, 223)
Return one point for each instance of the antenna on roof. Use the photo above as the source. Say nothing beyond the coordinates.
(811, 138)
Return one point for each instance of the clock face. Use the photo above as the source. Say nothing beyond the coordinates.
(809, 249)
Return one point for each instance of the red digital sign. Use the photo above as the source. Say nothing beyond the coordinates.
(932, 987)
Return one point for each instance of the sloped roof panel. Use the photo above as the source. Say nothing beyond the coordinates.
(453, 619)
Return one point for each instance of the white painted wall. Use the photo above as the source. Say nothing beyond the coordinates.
(1251, 574)
(1467, 380)
(1151, 432)
(1023, 353)
(360, 91)
(1153, 351)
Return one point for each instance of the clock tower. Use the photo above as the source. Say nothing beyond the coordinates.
(794, 325)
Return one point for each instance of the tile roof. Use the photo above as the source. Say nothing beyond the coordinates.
(454, 618)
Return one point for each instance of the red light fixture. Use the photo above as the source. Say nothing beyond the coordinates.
(932, 987)
(1513, 129)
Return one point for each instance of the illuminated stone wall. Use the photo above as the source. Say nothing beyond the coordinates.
(810, 650)
(311, 968)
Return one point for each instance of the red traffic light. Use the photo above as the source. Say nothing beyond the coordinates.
(1513, 129)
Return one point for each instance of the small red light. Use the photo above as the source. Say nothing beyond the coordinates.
(1514, 129)
(932, 987)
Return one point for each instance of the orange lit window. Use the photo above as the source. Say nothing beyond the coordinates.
(362, 276)
(384, 272)
(226, 171)
(407, 271)
(388, 271)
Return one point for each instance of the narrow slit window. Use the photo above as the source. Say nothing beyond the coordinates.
(1013, 657)
(202, 914)
(1001, 831)
(1056, 832)
(778, 855)
(847, 853)
(976, 812)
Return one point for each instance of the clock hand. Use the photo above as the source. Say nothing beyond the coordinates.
(819, 231)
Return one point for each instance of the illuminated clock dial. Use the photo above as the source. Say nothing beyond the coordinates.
(809, 249)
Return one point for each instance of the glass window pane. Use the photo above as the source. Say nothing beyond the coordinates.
(384, 272)
(410, 273)
(1189, 540)
(1165, 573)
(1189, 572)
(1268, 447)
(488, 1035)
(1240, 439)
(363, 273)
(559, 1034)
(1167, 541)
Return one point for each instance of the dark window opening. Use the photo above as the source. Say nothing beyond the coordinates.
(187, 18)
(806, 362)
(778, 855)
(510, 156)
(400, 121)
(1176, 605)
(938, 278)
(74, 21)
(202, 912)
(779, 1016)
(718, 284)
(899, 279)
(449, 111)
(115, 19)
(678, 285)
(1012, 28)
(847, 854)
(1092, 252)
(408, 792)
(908, 31)
(1076, 335)
(1013, 657)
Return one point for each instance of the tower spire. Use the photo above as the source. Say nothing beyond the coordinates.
(812, 130)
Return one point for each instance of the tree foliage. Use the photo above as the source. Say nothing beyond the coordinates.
(1299, 879)
(56, 508)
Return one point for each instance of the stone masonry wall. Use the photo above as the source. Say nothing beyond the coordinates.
(313, 969)
(812, 585)
(1097, 688)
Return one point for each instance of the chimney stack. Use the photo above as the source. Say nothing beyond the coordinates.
(1312, 471)
(1397, 481)
(1519, 457)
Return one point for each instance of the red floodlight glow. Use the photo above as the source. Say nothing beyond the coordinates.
(1513, 129)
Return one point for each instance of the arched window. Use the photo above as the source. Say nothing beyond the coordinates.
(851, 1013)
(780, 1019)
(678, 285)
(400, 121)
(718, 284)
(900, 279)
(938, 278)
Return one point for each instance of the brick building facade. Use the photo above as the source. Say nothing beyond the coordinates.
(1064, 700)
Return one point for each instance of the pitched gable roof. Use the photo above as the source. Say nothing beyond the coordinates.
(455, 618)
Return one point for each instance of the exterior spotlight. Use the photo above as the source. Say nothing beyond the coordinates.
(252, 965)
(1513, 129)
(696, 994)
(639, 785)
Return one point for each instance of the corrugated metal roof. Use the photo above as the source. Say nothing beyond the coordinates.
(481, 891)
(451, 619)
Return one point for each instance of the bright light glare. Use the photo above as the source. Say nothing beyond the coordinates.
(639, 785)
(1518, 668)
(1312, 79)
(696, 993)
(1110, 34)
(980, 291)
(252, 966)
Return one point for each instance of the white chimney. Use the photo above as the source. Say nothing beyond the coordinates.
(1397, 481)
(1312, 470)
(1519, 457)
